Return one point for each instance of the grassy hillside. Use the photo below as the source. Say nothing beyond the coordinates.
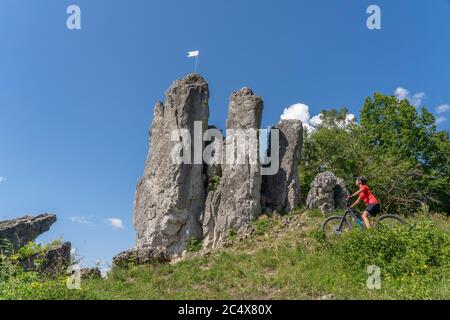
(288, 258)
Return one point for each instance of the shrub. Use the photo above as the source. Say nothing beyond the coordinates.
(415, 249)
(18, 284)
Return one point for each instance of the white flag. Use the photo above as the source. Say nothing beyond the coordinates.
(192, 54)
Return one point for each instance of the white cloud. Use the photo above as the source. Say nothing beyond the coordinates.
(316, 120)
(116, 223)
(80, 220)
(3, 179)
(443, 108)
(416, 99)
(350, 119)
(300, 111)
(401, 93)
(441, 120)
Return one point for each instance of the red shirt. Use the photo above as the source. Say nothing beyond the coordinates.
(367, 196)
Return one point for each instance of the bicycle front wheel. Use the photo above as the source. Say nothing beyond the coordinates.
(332, 227)
(390, 221)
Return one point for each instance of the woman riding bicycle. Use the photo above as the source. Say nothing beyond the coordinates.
(373, 205)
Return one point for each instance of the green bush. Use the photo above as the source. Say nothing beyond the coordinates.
(419, 248)
(17, 284)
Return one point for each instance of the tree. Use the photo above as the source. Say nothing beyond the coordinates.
(394, 126)
(406, 160)
(415, 157)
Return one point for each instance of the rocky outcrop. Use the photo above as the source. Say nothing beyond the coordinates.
(53, 260)
(281, 192)
(91, 274)
(176, 201)
(58, 258)
(171, 195)
(19, 232)
(237, 200)
(327, 193)
(142, 255)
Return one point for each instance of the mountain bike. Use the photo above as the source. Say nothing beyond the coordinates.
(337, 225)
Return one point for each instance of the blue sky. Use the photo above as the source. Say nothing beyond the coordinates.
(75, 106)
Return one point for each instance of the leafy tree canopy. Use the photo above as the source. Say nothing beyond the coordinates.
(397, 147)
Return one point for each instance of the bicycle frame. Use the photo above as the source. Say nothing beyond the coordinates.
(349, 212)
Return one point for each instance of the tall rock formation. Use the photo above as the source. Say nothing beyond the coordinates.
(281, 192)
(237, 199)
(221, 193)
(170, 197)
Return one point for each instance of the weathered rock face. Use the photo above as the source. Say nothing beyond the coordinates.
(237, 200)
(282, 191)
(340, 194)
(58, 259)
(170, 197)
(141, 256)
(176, 201)
(55, 260)
(327, 193)
(18, 232)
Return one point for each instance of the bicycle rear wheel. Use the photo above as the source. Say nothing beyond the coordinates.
(390, 221)
(332, 227)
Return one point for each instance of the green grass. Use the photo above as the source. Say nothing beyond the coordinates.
(288, 259)
(282, 261)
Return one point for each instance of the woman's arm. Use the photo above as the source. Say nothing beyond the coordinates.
(358, 200)
(355, 194)
(356, 203)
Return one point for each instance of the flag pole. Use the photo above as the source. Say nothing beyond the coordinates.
(196, 64)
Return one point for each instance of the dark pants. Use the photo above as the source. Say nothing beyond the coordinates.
(373, 209)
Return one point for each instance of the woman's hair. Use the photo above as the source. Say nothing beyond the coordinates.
(362, 179)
